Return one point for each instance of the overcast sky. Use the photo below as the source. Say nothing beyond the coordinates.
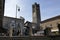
(48, 8)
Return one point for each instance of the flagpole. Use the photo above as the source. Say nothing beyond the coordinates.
(16, 16)
(16, 11)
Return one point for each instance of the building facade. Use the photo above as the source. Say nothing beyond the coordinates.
(53, 23)
(14, 25)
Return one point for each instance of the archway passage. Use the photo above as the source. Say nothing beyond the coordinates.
(59, 27)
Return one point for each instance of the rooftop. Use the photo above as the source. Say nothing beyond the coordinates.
(50, 19)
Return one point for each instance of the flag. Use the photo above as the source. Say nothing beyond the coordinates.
(18, 8)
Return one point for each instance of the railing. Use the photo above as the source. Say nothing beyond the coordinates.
(30, 38)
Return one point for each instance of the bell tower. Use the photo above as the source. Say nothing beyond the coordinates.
(36, 15)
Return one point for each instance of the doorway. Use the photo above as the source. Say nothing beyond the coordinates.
(59, 27)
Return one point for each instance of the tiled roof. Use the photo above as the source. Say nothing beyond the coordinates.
(50, 19)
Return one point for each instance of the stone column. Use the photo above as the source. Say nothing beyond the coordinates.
(30, 29)
(10, 31)
(22, 25)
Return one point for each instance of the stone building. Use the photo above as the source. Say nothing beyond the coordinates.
(53, 23)
(36, 18)
(49, 26)
(16, 25)
(28, 28)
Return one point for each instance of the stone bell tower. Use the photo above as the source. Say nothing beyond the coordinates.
(36, 18)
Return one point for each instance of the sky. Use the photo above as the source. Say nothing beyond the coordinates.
(48, 8)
